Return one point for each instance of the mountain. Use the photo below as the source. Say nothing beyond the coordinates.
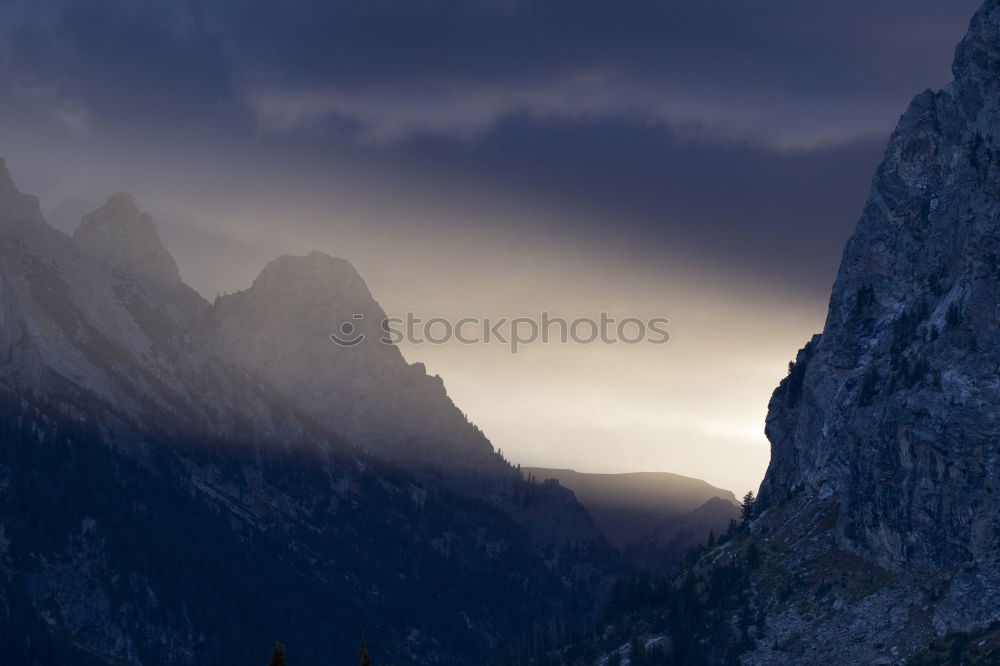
(653, 517)
(280, 329)
(876, 535)
(160, 503)
(126, 240)
(888, 422)
(88, 330)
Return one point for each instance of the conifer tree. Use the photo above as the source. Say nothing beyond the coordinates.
(746, 511)
(278, 656)
(363, 657)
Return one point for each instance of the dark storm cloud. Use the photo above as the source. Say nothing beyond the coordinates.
(782, 215)
(745, 129)
(800, 71)
(132, 63)
(400, 67)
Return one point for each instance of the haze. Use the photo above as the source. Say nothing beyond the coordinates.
(699, 161)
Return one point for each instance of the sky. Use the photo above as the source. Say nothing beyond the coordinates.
(699, 160)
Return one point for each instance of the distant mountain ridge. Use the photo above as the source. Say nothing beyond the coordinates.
(653, 517)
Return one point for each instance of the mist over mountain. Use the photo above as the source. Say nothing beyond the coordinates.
(171, 496)
(279, 329)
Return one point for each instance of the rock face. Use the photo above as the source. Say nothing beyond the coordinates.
(876, 535)
(894, 411)
(889, 422)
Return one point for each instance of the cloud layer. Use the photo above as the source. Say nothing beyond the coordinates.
(794, 72)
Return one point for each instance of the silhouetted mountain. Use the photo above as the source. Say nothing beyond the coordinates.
(161, 504)
(653, 517)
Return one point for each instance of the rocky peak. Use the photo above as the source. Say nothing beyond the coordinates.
(977, 59)
(125, 238)
(281, 328)
(15, 206)
(316, 276)
(307, 298)
(890, 416)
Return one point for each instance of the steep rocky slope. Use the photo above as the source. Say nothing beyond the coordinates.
(885, 463)
(891, 417)
(893, 411)
(885, 433)
(876, 536)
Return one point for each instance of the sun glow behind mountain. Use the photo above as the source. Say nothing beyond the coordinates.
(698, 165)
(693, 406)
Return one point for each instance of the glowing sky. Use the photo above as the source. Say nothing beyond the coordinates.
(703, 161)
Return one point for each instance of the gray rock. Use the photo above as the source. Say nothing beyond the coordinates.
(889, 422)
